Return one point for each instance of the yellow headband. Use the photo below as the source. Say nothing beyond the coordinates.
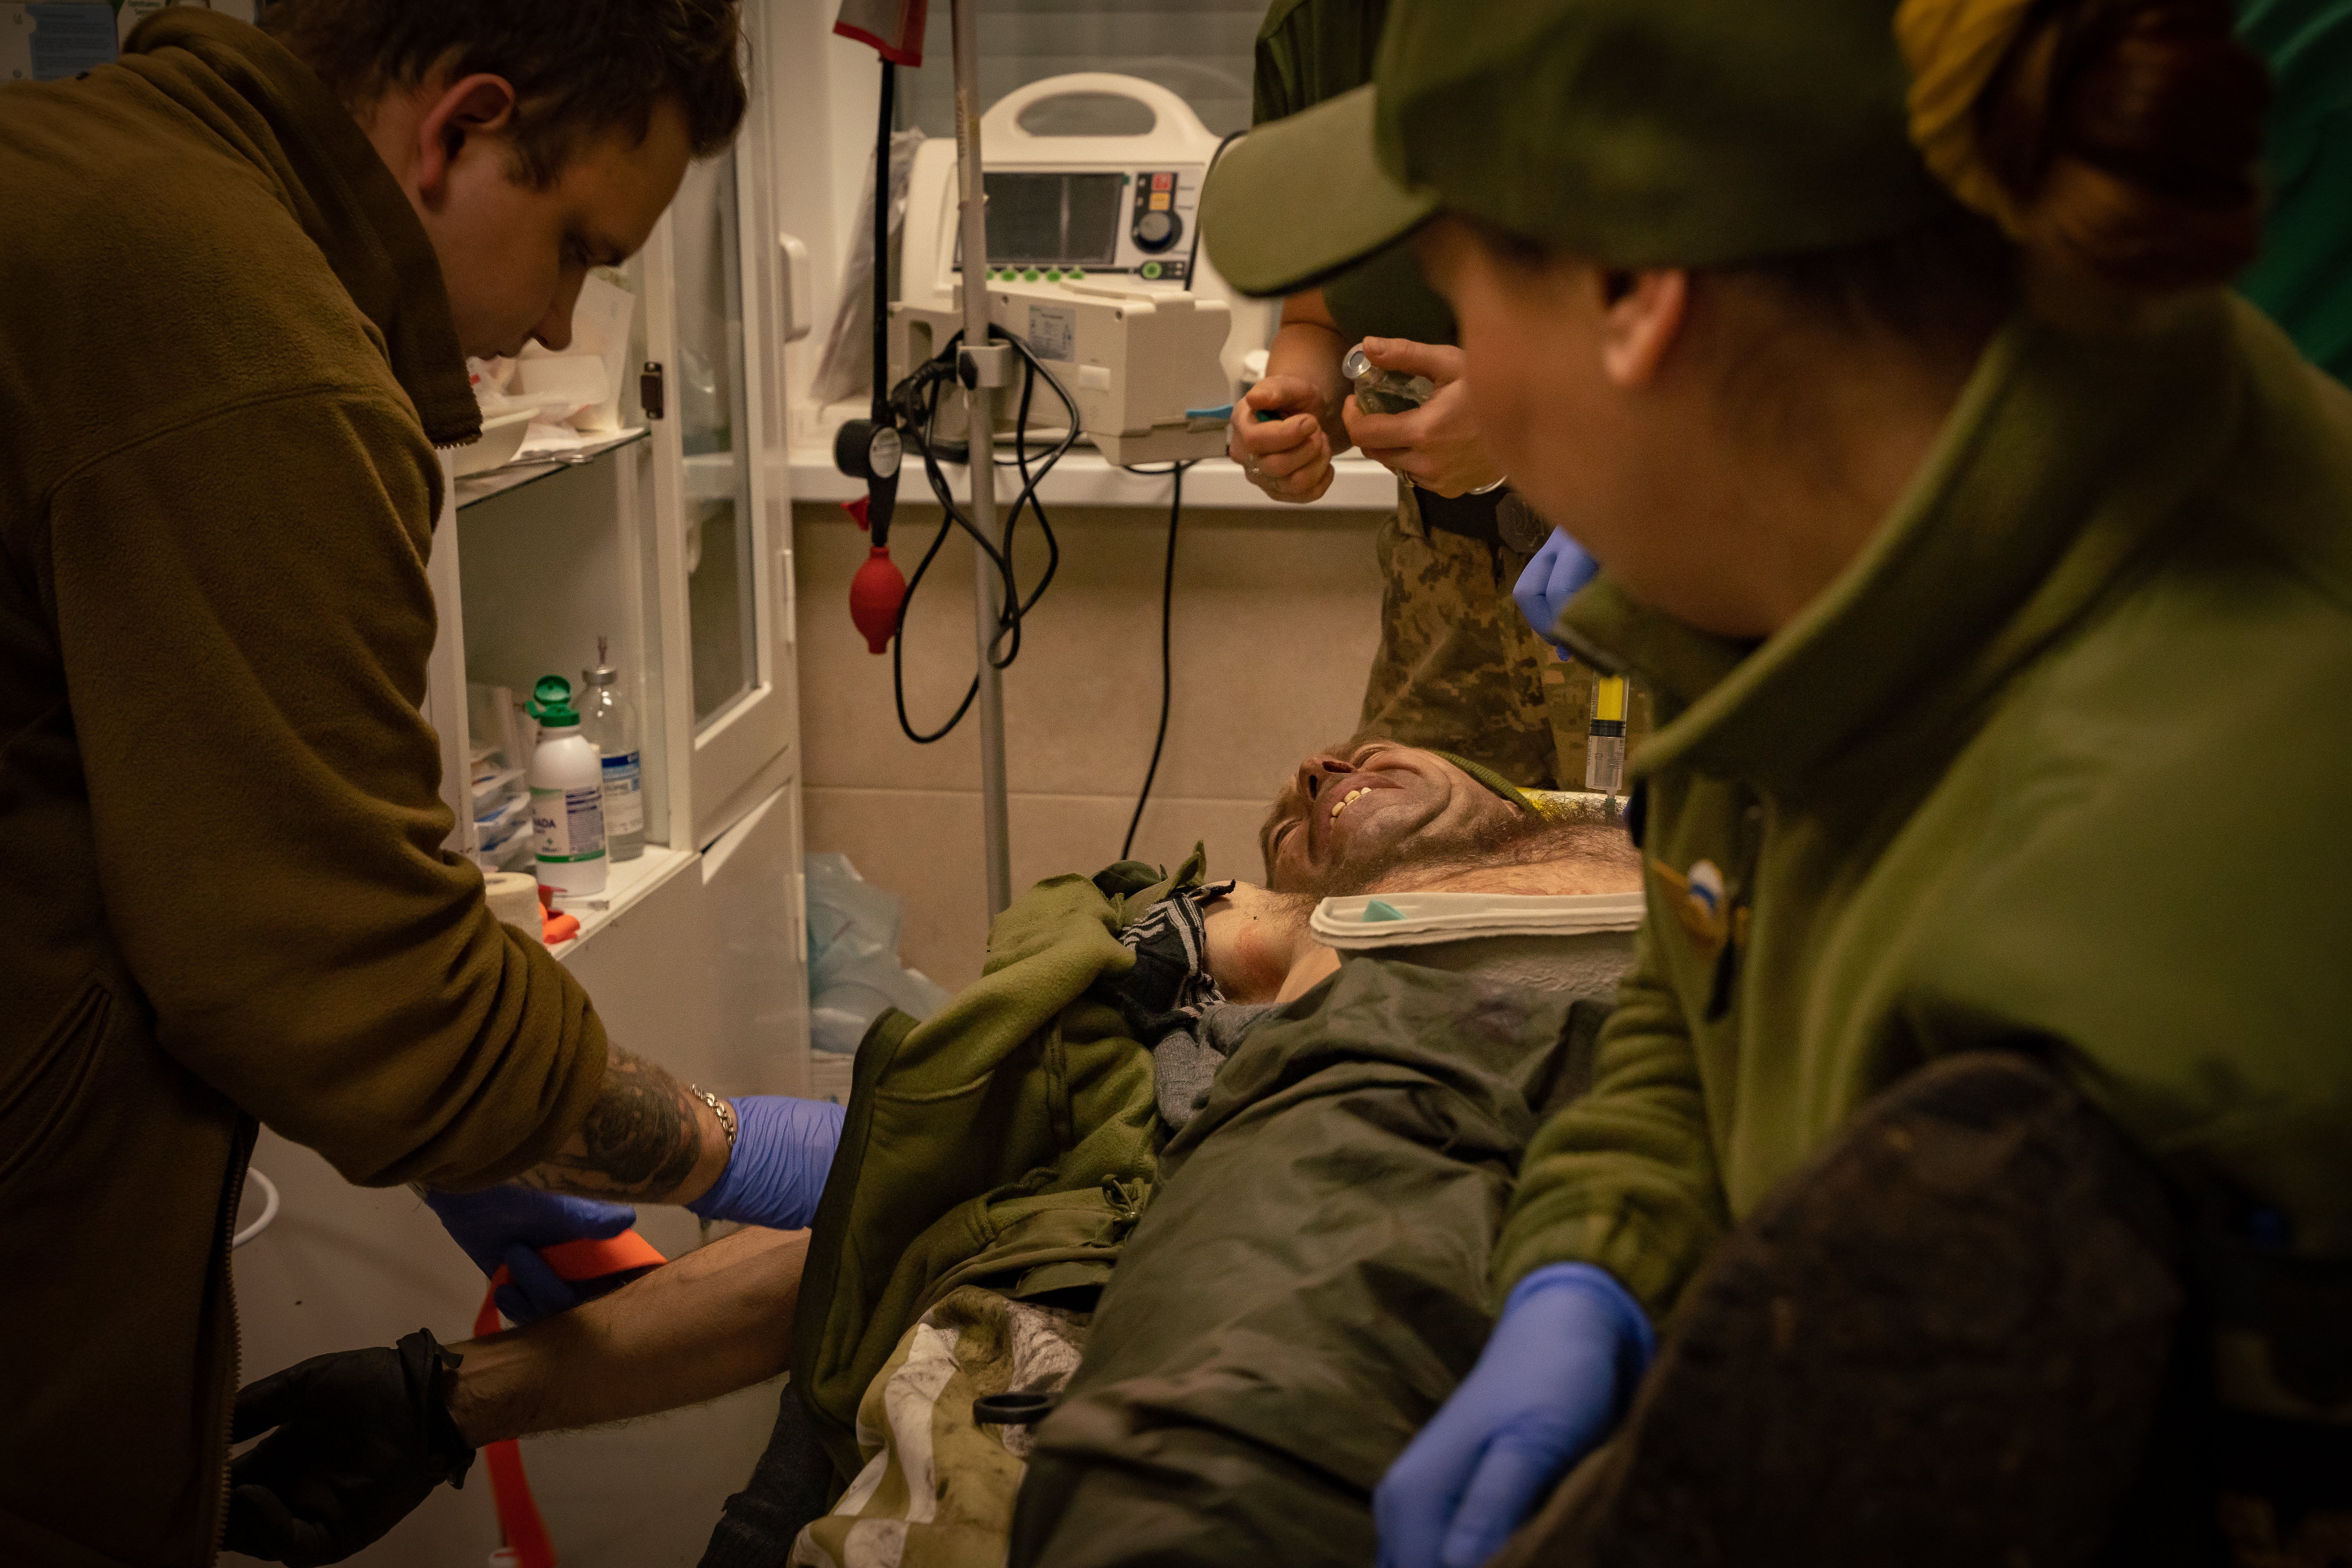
(1954, 47)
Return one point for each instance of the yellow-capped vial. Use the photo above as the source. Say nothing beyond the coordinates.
(1605, 746)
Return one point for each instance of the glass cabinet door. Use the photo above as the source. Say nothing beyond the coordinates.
(721, 570)
(721, 491)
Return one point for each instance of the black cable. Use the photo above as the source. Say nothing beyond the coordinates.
(954, 519)
(881, 409)
(917, 400)
(900, 407)
(1034, 369)
(1167, 682)
(1012, 522)
(1175, 514)
(898, 652)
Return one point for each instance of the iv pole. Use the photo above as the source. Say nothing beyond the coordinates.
(992, 370)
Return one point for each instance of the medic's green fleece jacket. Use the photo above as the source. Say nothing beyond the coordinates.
(2061, 761)
(228, 357)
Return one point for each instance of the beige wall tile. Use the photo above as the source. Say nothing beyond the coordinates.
(1052, 833)
(924, 846)
(1276, 617)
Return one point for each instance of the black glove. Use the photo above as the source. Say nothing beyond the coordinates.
(362, 1436)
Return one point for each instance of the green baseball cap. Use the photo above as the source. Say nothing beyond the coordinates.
(1634, 132)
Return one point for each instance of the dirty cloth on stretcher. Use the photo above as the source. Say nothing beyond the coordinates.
(937, 1486)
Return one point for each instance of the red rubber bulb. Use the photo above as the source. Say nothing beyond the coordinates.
(874, 596)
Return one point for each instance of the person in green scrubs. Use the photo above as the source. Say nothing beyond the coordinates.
(1972, 1142)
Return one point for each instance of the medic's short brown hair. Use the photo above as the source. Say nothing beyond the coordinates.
(578, 67)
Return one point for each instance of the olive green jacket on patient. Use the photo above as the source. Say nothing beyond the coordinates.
(1008, 1140)
(2060, 763)
(228, 356)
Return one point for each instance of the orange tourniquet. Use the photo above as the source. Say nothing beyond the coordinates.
(519, 1524)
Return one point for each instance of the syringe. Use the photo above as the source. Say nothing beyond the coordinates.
(1604, 745)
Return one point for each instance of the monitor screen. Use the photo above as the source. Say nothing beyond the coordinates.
(1049, 218)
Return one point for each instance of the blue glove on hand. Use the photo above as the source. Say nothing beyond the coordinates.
(1562, 1363)
(508, 1225)
(782, 1149)
(1557, 570)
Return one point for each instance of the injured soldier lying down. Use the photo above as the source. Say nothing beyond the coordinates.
(1157, 1242)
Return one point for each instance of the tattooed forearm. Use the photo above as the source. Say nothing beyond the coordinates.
(643, 1138)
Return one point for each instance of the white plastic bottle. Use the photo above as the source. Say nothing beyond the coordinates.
(609, 720)
(567, 796)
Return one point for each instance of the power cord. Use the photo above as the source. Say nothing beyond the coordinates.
(1168, 568)
(915, 403)
(1167, 682)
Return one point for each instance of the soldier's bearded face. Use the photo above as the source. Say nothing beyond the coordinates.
(1344, 817)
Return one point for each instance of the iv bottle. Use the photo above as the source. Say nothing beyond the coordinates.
(567, 796)
(1384, 391)
(609, 720)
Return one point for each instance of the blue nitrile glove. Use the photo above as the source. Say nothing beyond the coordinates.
(1562, 1364)
(782, 1149)
(1552, 577)
(508, 1225)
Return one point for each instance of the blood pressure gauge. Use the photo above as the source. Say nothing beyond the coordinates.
(866, 449)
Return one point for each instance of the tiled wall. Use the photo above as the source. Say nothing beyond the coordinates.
(1276, 617)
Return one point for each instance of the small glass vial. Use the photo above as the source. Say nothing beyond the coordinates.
(1381, 390)
(610, 720)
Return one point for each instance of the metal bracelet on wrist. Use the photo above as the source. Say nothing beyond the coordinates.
(723, 1110)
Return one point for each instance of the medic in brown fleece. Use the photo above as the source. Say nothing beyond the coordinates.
(240, 272)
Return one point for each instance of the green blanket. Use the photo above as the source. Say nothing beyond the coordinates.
(1311, 1281)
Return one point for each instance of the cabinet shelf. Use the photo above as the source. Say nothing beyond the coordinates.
(626, 883)
(514, 476)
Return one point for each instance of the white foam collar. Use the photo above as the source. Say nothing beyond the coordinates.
(1419, 918)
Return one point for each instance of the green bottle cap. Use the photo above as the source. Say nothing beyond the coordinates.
(550, 702)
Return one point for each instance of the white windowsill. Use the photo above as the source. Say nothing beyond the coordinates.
(1086, 478)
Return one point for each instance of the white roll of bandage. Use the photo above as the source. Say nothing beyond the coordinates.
(514, 898)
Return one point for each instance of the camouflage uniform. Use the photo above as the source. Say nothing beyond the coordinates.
(1457, 668)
